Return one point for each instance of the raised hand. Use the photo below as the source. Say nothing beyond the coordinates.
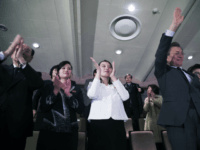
(98, 74)
(96, 64)
(139, 89)
(177, 19)
(12, 47)
(67, 87)
(57, 85)
(113, 70)
(112, 75)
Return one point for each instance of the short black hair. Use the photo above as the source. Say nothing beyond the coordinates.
(154, 88)
(128, 75)
(192, 68)
(51, 70)
(109, 81)
(95, 71)
(32, 52)
(174, 44)
(61, 64)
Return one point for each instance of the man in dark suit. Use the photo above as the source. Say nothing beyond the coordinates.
(180, 89)
(133, 106)
(87, 100)
(17, 83)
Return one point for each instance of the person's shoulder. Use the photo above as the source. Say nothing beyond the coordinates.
(89, 80)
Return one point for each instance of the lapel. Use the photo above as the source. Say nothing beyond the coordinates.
(17, 78)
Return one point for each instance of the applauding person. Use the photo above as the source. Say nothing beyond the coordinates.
(61, 100)
(107, 112)
(17, 83)
(180, 111)
(152, 106)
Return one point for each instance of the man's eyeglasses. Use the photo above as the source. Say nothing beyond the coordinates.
(197, 73)
(179, 53)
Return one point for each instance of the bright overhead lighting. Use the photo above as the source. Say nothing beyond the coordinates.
(118, 52)
(131, 8)
(36, 45)
(190, 57)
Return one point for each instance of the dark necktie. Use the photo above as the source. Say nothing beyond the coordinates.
(16, 70)
(191, 102)
(181, 71)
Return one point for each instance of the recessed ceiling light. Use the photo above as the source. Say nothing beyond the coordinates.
(36, 45)
(190, 57)
(131, 8)
(118, 52)
(3, 27)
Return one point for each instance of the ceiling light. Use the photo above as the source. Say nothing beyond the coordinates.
(131, 8)
(155, 10)
(118, 52)
(190, 57)
(36, 45)
(3, 27)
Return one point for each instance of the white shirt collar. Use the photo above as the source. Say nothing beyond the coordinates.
(15, 66)
(176, 67)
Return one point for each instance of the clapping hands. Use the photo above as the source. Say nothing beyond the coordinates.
(58, 85)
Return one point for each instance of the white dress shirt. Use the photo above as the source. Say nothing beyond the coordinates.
(171, 34)
(1, 56)
(107, 101)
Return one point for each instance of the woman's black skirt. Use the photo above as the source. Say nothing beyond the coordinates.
(107, 135)
(49, 140)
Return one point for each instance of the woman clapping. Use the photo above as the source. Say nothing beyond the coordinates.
(107, 114)
(60, 102)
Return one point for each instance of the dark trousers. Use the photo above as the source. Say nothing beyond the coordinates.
(187, 136)
(107, 135)
(49, 140)
(10, 143)
(134, 114)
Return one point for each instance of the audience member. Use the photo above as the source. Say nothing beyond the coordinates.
(180, 110)
(37, 97)
(107, 113)
(152, 106)
(17, 83)
(60, 101)
(195, 69)
(133, 106)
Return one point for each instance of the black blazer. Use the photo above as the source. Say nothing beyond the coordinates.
(175, 90)
(87, 100)
(136, 99)
(36, 105)
(16, 99)
(59, 110)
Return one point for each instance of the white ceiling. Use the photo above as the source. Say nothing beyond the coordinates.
(74, 30)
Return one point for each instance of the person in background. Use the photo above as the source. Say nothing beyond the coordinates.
(60, 101)
(87, 100)
(17, 83)
(152, 105)
(195, 69)
(107, 114)
(180, 111)
(134, 105)
(37, 96)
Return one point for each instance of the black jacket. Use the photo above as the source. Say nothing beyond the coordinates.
(60, 110)
(135, 98)
(16, 99)
(175, 90)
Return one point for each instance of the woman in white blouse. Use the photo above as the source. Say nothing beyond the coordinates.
(107, 114)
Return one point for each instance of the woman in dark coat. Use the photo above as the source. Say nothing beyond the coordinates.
(60, 102)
